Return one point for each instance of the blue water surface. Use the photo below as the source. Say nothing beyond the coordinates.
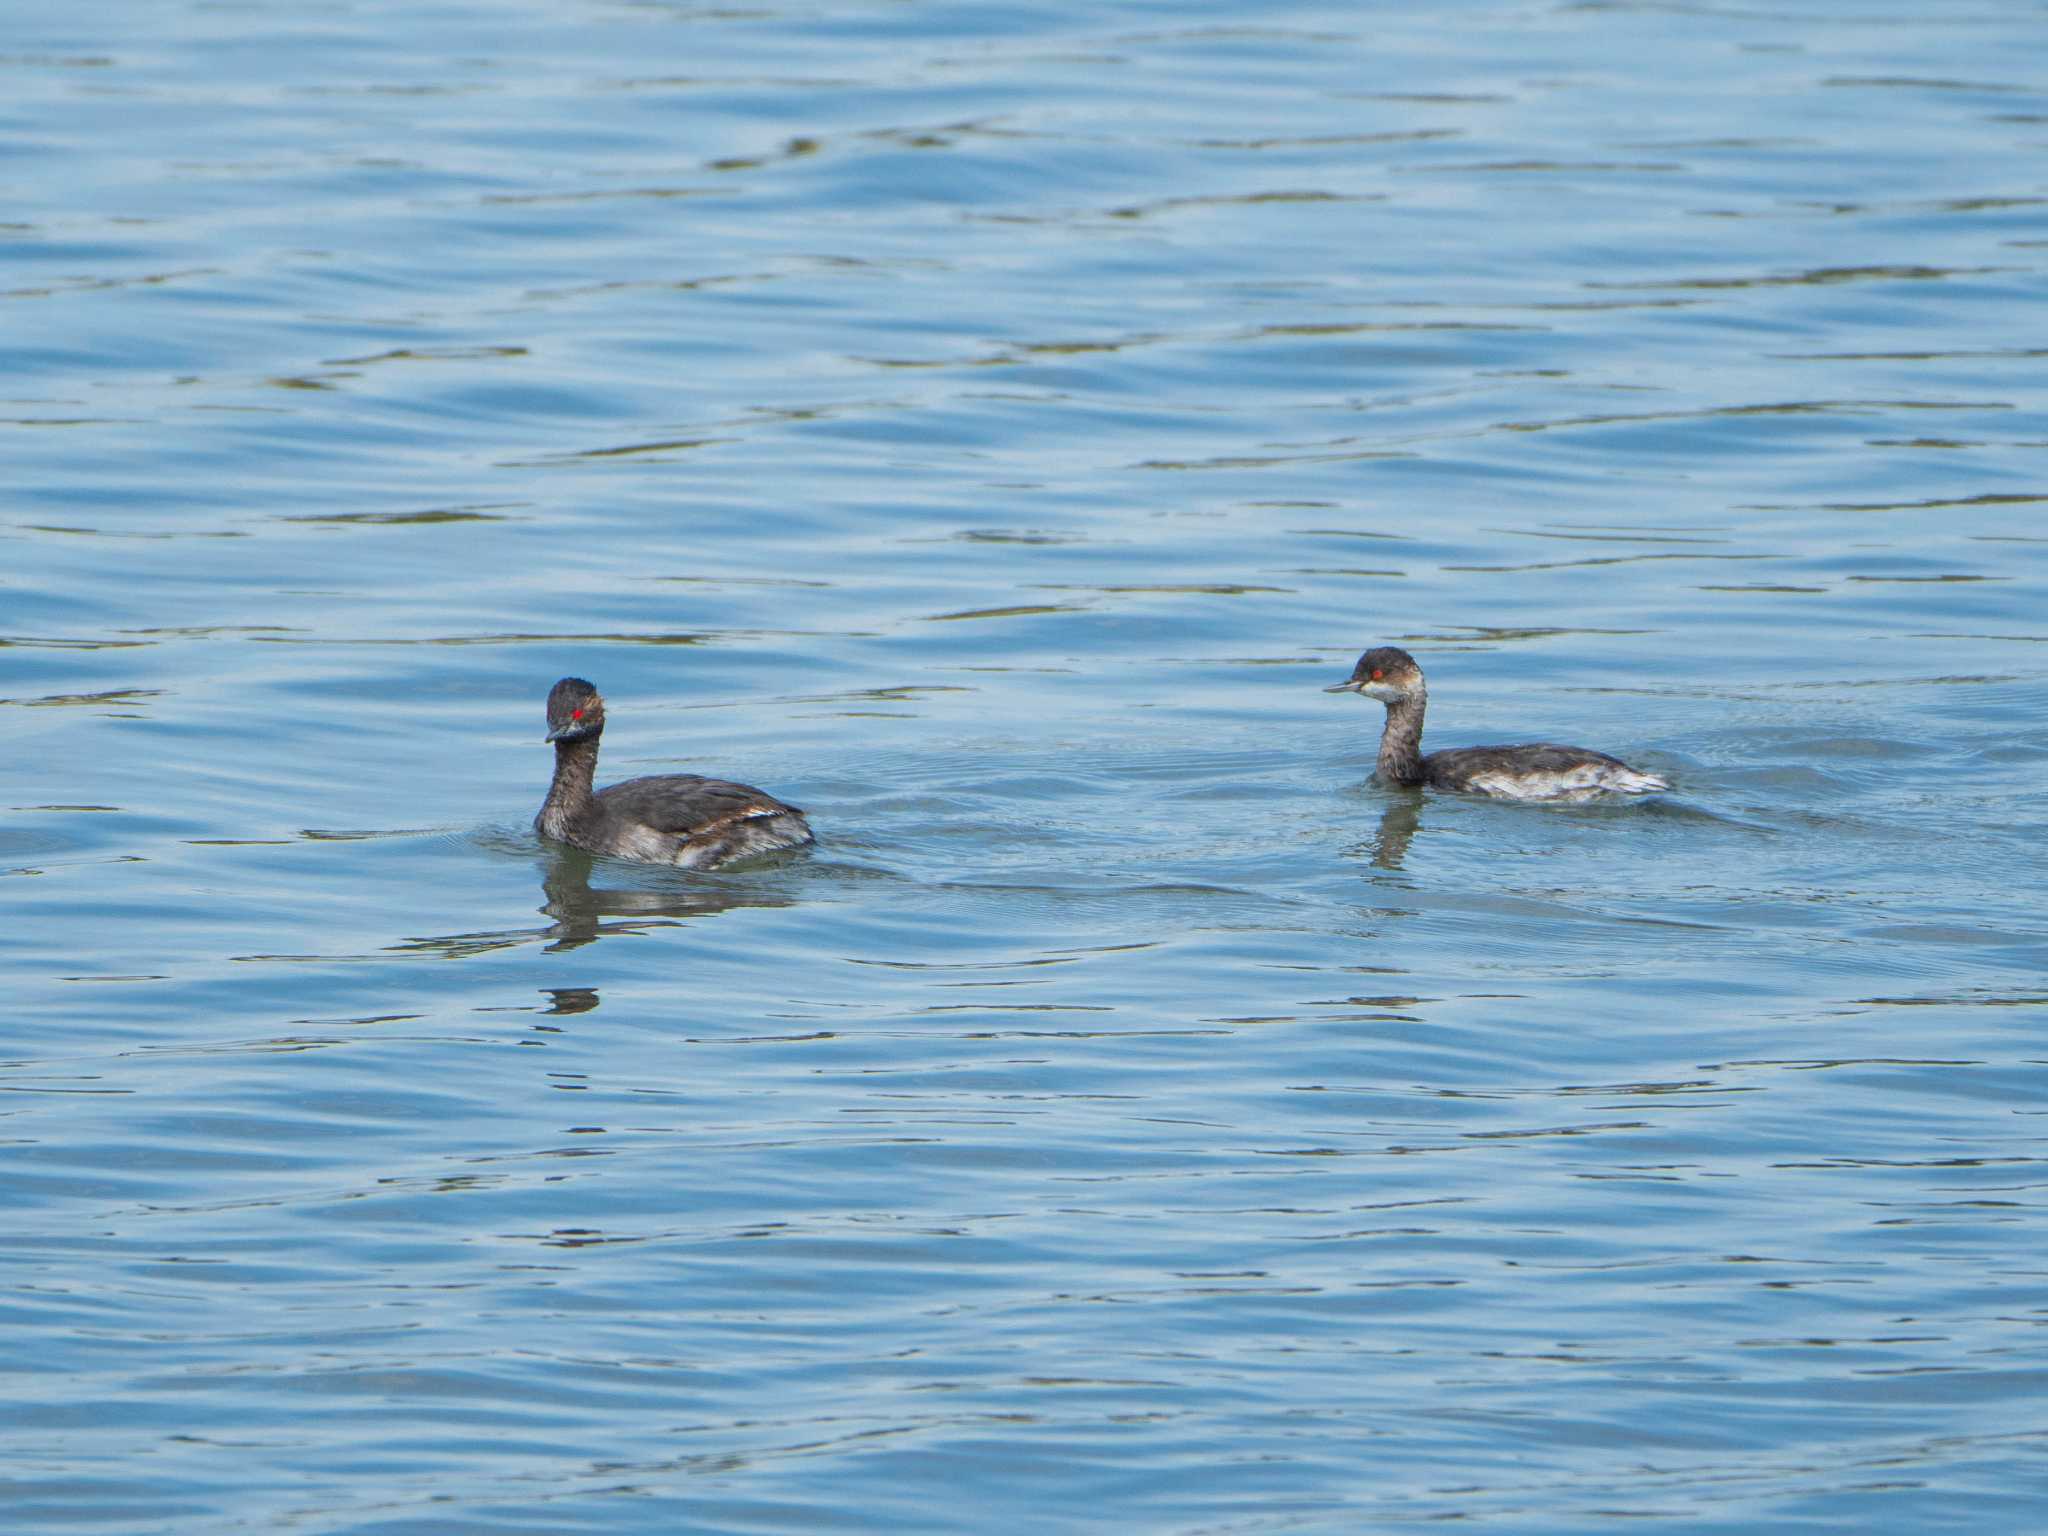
(989, 428)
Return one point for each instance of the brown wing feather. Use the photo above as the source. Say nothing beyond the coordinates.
(683, 804)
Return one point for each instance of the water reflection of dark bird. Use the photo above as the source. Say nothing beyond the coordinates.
(670, 818)
(1399, 823)
(581, 910)
(1531, 771)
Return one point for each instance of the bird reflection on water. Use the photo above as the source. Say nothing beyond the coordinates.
(580, 912)
(583, 912)
(1399, 823)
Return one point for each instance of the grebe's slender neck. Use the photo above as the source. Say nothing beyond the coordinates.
(1401, 742)
(575, 770)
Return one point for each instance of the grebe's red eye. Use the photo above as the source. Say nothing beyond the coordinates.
(1377, 674)
(577, 714)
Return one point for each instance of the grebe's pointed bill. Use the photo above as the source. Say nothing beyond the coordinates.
(1349, 685)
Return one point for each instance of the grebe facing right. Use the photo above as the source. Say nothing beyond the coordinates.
(1535, 771)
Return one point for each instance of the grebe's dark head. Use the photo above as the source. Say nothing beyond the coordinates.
(575, 712)
(1386, 673)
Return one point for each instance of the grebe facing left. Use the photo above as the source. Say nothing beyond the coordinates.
(1535, 771)
(671, 818)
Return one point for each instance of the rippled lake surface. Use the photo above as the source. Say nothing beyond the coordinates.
(989, 427)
